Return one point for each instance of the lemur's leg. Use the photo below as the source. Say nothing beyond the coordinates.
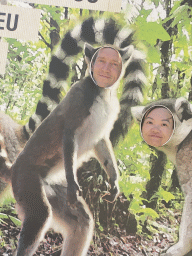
(105, 155)
(184, 171)
(33, 208)
(74, 222)
(184, 244)
(183, 159)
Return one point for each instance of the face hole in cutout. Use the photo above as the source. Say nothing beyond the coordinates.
(157, 126)
(106, 66)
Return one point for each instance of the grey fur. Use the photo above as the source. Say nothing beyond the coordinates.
(179, 151)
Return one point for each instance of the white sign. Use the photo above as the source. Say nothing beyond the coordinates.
(3, 54)
(19, 23)
(102, 5)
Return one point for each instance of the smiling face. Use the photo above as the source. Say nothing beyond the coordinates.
(107, 67)
(157, 127)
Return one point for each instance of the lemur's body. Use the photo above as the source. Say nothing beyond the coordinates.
(78, 128)
(32, 185)
(179, 150)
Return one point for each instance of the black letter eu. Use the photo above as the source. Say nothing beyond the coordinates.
(2, 13)
(15, 22)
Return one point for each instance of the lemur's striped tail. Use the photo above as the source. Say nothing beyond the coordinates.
(134, 81)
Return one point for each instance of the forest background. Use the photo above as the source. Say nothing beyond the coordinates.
(145, 218)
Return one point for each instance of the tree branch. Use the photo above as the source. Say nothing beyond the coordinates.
(43, 39)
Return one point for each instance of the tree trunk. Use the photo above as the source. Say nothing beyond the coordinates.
(156, 173)
(54, 34)
(165, 55)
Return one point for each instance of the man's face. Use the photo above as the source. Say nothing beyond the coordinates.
(107, 67)
(157, 127)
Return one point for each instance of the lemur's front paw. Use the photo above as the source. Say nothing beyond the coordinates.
(72, 191)
(113, 193)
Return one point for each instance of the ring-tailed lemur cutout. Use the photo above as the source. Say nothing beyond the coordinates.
(77, 129)
(75, 224)
(157, 126)
(179, 150)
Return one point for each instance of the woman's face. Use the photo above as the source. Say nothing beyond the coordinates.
(157, 127)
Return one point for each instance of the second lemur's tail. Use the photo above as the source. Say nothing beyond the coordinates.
(134, 82)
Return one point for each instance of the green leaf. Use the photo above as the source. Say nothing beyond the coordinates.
(149, 212)
(143, 15)
(151, 31)
(154, 55)
(16, 221)
(165, 195)
(3, 216)
(156, 3)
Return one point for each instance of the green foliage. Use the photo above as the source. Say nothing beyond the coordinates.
(7, 211)
(151, 32)
(21, 87)
(164, 195)
(5, 217)
(133, 162)
(8, 216)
